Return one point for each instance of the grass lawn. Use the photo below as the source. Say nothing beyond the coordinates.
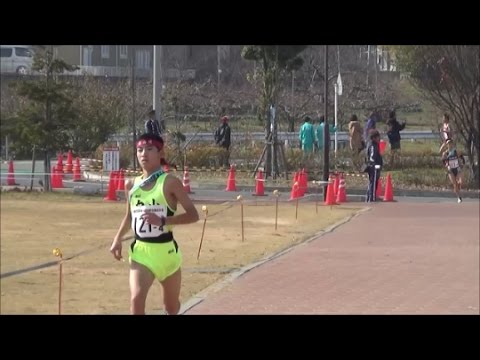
(33, 224)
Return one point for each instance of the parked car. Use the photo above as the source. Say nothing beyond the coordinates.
(16, 59)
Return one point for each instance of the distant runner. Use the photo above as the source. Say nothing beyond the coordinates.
(454, 163)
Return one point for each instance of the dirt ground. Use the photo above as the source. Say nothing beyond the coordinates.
(32, 225)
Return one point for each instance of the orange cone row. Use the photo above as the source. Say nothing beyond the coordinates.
(115, 183)
(388, 192)
(336, 189)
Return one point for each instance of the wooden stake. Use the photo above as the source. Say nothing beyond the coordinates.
(205, 210)
(275, 193)
(239, 198)
(58, 253)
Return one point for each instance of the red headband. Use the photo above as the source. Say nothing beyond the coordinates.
(143, 142)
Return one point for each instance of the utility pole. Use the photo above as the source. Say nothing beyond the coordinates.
(326, 133)
(157, 81)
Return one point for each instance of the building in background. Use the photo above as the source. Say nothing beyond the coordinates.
(178, 61)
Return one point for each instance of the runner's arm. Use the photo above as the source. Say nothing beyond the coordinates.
(125, 224)
(191, 213)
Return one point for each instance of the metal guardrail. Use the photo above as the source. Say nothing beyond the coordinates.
(292, 137)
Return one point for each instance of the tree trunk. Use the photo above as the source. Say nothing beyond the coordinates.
(268, 158)
(291, 123)
(473, 153)
(47, 186)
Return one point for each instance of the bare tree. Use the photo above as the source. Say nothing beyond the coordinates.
(449, 77)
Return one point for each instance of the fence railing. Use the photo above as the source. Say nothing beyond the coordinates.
(292, 137)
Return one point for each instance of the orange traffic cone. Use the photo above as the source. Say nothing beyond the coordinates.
(59, 162)
(305, 181)
(378, 193)
(341, 195)
(114, 175)
(121, 180)
(388, 189)
(330, 200)
(336, 183)
(76, 170)
(231, 186)
(186, 181)
(57, 181)
(259, 185)
(69, 165)
(53, 178)
(302, 182)
(11, 174)
(112, 192)
(295, 191)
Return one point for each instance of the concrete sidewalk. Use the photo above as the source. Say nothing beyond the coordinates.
(422, 258)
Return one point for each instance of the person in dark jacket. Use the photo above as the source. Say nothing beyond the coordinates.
(393, 133)
(151, 124)
(374, 165)
(222, 139)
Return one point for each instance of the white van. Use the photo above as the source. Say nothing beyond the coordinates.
(16, 59)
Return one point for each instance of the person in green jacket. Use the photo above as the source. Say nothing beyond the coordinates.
(319, 132)
(307, 136)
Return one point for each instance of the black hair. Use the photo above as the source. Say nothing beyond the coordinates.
(150, 136)
(374, 134)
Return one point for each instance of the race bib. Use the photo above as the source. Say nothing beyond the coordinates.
(143, 229)
(453, 163)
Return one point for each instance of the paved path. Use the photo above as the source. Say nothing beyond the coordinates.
(423, 258)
